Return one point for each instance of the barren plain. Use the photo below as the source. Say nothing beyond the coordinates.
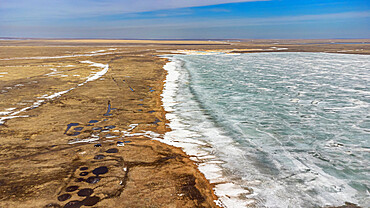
(78, 120)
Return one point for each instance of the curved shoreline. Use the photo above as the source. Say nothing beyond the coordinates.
(184, 143)
(39, 161)
(75, 132)
(229, 194)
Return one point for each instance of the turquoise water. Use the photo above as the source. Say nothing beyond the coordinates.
(300, 123)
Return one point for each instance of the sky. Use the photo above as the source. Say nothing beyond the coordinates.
(185, 19)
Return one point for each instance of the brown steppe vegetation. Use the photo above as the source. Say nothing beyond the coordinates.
(41, 166)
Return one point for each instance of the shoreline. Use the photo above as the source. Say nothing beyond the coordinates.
(194, 144)
(90, 102)
(141, 171)
(229, 194)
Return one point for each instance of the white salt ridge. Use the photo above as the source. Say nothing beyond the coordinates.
(88, 140)
(53, 73)
(148, 134)
(98, 51)
(191, 52)
(279, 49)
(58, 57)
(94, 76)
(132, 126)
(125, 133)
(110, 136)
(120, 145)
(7, 111)
(227, 192)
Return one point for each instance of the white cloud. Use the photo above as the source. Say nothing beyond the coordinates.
(86, 8)
(275, 20)
(231, 22)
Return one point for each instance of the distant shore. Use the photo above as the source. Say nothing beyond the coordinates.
(348, 46)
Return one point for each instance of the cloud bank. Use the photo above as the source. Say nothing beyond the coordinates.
(184, 18)
(38, 9)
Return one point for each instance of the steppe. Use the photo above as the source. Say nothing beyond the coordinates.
(81, 121)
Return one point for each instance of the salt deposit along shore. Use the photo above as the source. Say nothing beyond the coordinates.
(103, 143)
(89, 140)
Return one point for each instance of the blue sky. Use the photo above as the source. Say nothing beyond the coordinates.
(185, 19)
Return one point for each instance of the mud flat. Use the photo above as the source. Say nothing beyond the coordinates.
(81, 123)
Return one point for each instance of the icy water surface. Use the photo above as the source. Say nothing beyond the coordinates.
(299, 123)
